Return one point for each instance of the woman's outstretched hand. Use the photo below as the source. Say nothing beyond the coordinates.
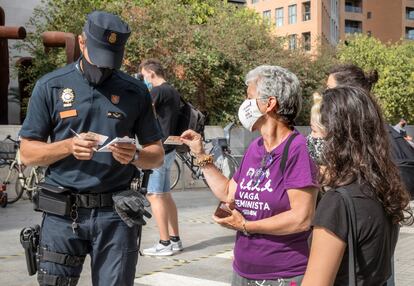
(194, 141)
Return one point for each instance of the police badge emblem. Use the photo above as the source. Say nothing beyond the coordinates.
(115, 99)
(68, 97)
(112, 38)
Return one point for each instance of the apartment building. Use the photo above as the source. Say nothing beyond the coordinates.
(307, 23)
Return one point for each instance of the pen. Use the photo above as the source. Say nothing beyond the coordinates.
(77, 135)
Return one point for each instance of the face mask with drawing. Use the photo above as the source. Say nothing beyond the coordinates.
(315, 148)
(249, 113)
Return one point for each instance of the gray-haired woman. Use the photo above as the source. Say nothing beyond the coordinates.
(274, 207)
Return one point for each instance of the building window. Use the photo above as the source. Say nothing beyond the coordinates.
(352, 27)
(409, 13)
(353, 6)
(255, 1)
(306, 41)
(293, 42)
(306, 9)
(292, 14)
(267, 16)
(369, 15)
(409, 33)
(279, 17)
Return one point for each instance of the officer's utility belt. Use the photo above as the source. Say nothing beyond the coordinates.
(60, 201)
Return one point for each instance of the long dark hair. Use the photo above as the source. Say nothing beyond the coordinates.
(352, 75)
(357, 148)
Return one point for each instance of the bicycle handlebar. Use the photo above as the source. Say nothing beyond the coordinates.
(8, 137)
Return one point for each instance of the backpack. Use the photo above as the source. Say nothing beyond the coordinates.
(403, 156)
(189, 117)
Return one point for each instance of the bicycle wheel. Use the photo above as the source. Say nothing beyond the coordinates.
(37, 175)
(175, 173)
(14, 188)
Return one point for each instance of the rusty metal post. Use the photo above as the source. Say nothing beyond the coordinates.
(4, 75)
(5, 34)
(12, 33)
(69, 41)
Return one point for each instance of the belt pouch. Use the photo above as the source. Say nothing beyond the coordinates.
(53, 199)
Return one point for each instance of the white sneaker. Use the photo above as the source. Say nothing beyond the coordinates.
(159, 250)
(177, 246)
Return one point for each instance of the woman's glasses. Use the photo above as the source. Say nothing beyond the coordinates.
(260, 173)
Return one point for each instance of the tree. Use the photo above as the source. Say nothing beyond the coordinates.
(207, 47)
(395, 65)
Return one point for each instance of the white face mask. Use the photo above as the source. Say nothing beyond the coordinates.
(249, 113)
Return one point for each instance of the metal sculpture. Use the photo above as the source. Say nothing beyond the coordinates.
(6, 33)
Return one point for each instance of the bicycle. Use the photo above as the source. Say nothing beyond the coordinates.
(16, 178)
(223, 159)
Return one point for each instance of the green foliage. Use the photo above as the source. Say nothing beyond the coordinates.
(395, 65)
(207, 47)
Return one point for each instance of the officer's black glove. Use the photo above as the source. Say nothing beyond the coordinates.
(130, 206)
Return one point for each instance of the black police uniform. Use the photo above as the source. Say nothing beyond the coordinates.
(120, 106)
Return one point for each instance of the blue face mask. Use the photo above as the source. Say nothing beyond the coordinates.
(148, 84)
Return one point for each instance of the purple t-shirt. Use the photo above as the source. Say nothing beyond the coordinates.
(263, 256)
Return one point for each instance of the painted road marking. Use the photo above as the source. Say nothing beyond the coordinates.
(226, 255)
(406, 229)
(168, 279)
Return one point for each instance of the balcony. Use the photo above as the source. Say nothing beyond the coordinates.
(409, 33)
(353, 9)
(353, 6)
(409, 12)
(352, 27)
(352, 30)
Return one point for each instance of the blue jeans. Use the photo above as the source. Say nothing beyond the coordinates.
(159, 181)
(101, 233)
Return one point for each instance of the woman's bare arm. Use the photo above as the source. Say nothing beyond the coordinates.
(327, 251)
(297, 219)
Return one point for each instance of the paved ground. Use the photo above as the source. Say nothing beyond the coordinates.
(206, 260)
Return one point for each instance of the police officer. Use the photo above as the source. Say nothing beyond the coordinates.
(92, 95)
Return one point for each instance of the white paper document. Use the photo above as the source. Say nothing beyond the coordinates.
(125, 139)
(92, 136)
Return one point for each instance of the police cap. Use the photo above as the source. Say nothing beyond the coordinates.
(106, 36)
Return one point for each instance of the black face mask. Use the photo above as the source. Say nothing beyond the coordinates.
(95, 75)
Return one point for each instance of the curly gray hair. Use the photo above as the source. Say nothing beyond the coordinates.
(280, 83)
